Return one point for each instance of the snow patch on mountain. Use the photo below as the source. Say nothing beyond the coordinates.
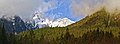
(45, 22)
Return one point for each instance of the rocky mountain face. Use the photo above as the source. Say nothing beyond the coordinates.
(13, 24)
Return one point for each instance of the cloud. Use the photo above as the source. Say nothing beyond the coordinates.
(27, 8)
(22, 8)
(87, 7)
(47, 8)
(112, 5)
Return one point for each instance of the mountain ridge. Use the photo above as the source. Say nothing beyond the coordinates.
(101, 16)
(15, 23)
(46, 22)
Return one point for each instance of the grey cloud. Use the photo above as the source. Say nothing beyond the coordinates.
(26, 8)
(22, 8)
(87, 7)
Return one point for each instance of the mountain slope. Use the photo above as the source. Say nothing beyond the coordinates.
(101, 18)
(101, 27)
(14, 23)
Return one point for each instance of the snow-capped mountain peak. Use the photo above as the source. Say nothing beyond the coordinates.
(62, 22)
(45, 22)
(36, 16)
(15, 23)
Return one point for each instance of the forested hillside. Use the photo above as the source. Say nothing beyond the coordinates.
(101, 27)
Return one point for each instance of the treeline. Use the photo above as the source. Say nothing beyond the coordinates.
(99, 28)
(62, 36)
(69, 36)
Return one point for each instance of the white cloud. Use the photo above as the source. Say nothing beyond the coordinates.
(86, 7)
(49, 6)
(112, 5)
(24, 8)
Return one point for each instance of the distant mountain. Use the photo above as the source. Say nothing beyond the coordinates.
(62, 22)
(14, 24)
(45, 22)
